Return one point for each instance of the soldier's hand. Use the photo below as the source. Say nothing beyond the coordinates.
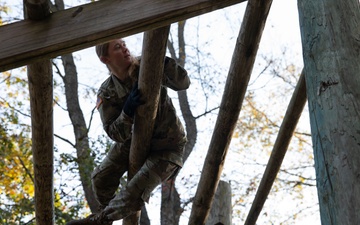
(133, 101)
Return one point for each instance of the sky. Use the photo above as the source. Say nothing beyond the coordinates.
(220, 30)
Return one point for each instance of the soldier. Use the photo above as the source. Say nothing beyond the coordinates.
(118, 98)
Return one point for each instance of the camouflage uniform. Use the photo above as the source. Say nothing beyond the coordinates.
(166, 147)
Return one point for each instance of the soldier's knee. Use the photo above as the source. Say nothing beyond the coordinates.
(94, 177)
(151, 174)
(163, 168)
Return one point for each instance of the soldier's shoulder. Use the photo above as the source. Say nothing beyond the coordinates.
(106, 84)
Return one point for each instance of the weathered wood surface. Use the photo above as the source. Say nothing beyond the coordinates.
(41, 104)
(330, 32)
(90, 24)
(282, 142)
(221, 209)
(151, 74)
(235, 88)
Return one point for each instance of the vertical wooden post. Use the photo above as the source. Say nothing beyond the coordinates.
(41, 99)
(221, 208)
(151, 73)
(41, 104)
(330, 43)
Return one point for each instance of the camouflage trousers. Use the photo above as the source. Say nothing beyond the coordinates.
(106, 181)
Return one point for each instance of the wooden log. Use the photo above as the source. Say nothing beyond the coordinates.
(151, 73)
(84, 26)
(221, 209)
(282, 142)
(41, 100)
(236, 84)
(330, 34)
(41, 104)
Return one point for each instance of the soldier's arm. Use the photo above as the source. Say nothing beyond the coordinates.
(176, 76)
(116, 123)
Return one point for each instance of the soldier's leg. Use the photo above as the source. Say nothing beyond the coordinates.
(106, 176)
(138, 190)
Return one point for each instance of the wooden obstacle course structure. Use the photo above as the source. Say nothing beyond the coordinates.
(46, 35)
(51, 41)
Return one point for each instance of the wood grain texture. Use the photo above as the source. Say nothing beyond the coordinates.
(221, 209)
(90, 24)
(151, 74)
(41, 100)
(42, 129)
(330, 32)
(235, 88)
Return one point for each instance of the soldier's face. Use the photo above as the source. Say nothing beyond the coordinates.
(119, 55)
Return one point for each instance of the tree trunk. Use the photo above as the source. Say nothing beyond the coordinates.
(190, 120)
(221, 209)
(235, 88)
(150, 77)
(83, 152)
(170, 202)
(144, 217)
(330, 32)
(41, 101)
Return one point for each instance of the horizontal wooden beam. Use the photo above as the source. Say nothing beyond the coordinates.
(84, 26)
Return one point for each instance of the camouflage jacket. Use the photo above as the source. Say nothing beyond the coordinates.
(168, 137)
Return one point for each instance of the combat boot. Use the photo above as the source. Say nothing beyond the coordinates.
(93, 219)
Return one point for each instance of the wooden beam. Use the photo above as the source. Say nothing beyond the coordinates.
(151, 74)
(282, 142)
(221, 208)
(235, 88)
(41, 102)
(90, 24)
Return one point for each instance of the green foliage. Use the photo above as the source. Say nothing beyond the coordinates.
(17, 176)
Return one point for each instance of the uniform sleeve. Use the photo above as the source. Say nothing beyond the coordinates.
(116, 123)
(176, 76)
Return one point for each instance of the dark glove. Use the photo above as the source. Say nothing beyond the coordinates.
(133, 101)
